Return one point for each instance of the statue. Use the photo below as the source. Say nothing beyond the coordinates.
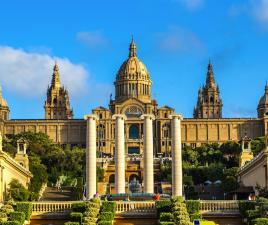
(135, 186)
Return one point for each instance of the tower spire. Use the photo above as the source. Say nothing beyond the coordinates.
(210, 80)
(56, 77)
(132, 48)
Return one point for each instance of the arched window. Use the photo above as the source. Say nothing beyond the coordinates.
(211, 99)
(101, 131)
(166, 130)
(133, 132)
(54, 101)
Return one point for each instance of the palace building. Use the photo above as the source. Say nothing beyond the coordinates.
(133, 103)
(133, 98)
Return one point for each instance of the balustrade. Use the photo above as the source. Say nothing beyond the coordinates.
(219, 205)
(52, 207)
(135, 207)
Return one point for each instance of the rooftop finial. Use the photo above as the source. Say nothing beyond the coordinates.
(210, 81)
(132, 48)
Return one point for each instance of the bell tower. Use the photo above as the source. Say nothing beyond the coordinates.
(57, 105)
(209, 103)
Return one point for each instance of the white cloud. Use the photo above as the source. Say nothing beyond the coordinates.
(28, 74)
(92, 39)
(176, 39)
(192, 4)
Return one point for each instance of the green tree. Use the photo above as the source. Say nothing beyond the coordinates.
(17, 191)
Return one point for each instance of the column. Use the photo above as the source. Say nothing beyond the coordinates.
(177, 185)
(91, 165)
(119, 153)
(148, 154)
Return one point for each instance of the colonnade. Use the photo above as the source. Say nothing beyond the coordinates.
(120, 151)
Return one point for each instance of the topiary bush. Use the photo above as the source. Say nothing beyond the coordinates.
(17, 216)
(108, 207)
(260, 221)
(91, 212)
(106, 216)
(192, 206)
(71, 223)
(10, 223)
(252, 214)
(3, 217)
(166, 217)
(7, 209)
(76, 217)
(105, 223)
(79, 207)
(195, 216)
(167, 223)
(179, 210)
(26, 208)
(163, 206)
(246, 205)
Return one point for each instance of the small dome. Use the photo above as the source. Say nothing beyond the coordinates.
(133, 68)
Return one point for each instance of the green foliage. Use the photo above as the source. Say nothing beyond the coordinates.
(78, 191)
(246, 205)
(79, 207)
(76, 217)
(195, 216)
(91, 212)
(7, 209)
(3, 217)
(17, 216)
(105, 223)
(108, 207)
(230, 184)
(257, 145)
(260, 221)
(192, 206)
(179, 211)
(166, 217)
(106, 216)
(18, 191)
(163, 206)
(26, 208)
(252, 214)
(10, 223)
(71, 223)
(167, 223)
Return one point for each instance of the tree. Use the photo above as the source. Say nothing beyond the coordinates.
(17, 191)
(257, 145)
(230, 184)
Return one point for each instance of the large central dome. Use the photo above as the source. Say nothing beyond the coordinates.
(133, 79)
(133, 68)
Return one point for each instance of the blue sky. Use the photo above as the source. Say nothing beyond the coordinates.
(175, 39)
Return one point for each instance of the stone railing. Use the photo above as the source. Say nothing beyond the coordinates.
(52, 207)
(135, 208)
(219, 206)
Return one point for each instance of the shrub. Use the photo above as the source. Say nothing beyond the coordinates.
(17, 216)
(260, 221)
(252, 214)
(26, 208)
(204, 222)
(246, 205)
(90, 205)
(93, 212)
(10, 223)
(192, 206)
(195, 216)
(167, 223)
(108, 207)
(181, 216)
(163, 206)
(71, 223)
(166, 217)
(79, 207)
(7, 209)
(95, 200)
(3, 217)
(106, 216)
(105, 223)
(76, 217)
(90, 220)
(177, 199)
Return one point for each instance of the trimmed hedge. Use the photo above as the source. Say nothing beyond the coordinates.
(26, 208)
(17, 216)
(71, 223)
(79, 207)
(10, 223)
(108, 207)
(163, 206)
(252, 214)
(166, 217)
(76, 217)
(92, 212)
(192, 206)
(106, 216)
(105, 223)
(260, 221)
(167, 223)
(246, 205)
